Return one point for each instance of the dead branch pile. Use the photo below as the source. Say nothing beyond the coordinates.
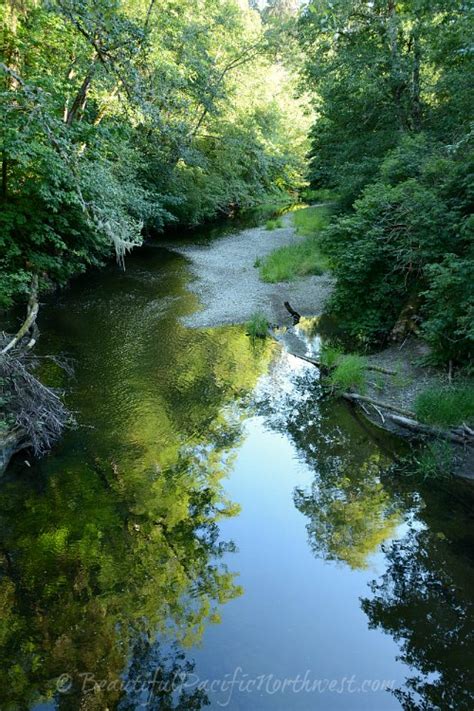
(35, 413)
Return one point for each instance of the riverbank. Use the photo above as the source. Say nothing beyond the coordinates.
(230, 289)
(228, 285)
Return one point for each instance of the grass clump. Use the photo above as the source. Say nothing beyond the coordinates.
(435, 460)
(310, 220)
(305, 257)
(330, 356)
(349, 373)
(446, 407)
(292, 261)
(274, 223)
(257, 326)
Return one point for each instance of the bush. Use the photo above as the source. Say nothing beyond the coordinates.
(449, 309)
(257, 326)
(446, 407)
(405, 240)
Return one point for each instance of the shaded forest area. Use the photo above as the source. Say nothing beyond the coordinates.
(123, 116)
(393, 86)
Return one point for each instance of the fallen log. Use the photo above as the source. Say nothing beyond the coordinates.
(295, 314)
(318, 364)
(406, 420)
(28, 323)
(355, 397)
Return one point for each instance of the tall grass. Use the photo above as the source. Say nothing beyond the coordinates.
(349, 373)
(305, 257)
(288, 263)
(310, 220)
(274, 224)
(448, 407)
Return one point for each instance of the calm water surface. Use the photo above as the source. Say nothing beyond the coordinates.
(214, 534)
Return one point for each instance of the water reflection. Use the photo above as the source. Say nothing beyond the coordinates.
(359, 502)
(112, 563)
(114, 538)
(424, 600)
(349, 511)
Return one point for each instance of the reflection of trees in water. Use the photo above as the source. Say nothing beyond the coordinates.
(85, 572)
(160, 680)
(108, 544)
(424, 600)
(348, 508)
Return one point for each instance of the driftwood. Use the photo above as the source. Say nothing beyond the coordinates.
(407, 420)
(355, 397)
(36, 414)
(385, 410)
(318, 364)
(296, 316)
(403, 418)
(29, 322)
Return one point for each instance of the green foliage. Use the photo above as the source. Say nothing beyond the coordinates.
(257, 326)
(274, 224)
(433, 461)
(330, 355)
(300, 259)
(349, 373)
(122, 117)
(288, 263)
(399, 154)
(321, 195)
(310, 220)
(449, 309)
(446, 407)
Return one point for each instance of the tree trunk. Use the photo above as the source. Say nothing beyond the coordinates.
(4, 175)
(81, 96)
(416, 90)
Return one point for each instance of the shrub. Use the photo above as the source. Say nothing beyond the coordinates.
(449, 309)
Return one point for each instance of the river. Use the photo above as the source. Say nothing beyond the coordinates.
(213, 532)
